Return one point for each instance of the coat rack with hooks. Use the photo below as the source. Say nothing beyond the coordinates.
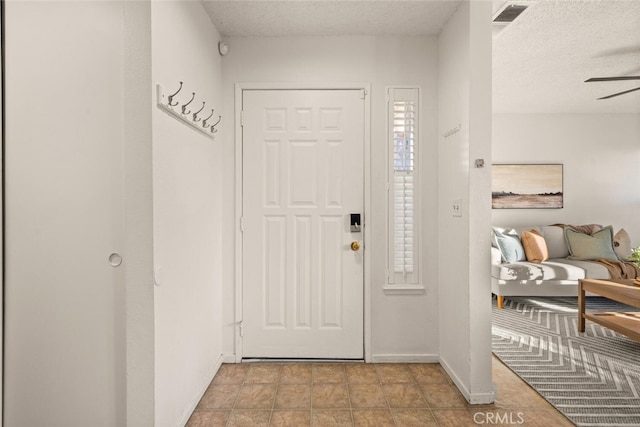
(183, 112)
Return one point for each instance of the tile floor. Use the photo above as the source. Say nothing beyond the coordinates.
(358, 394)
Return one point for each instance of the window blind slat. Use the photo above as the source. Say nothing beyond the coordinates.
(403, 231)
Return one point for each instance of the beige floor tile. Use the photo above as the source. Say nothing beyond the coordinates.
(442, 395)
(295, 373)
(293, 396)
(256, 396)
(367, 396)
(361, 373)
(263, 373)
(331, 418)
(285, 418)
(231, 373)
(393, 373)
(373, 417)
(454, 418)
(425, 373)
(404, 396)
(518, 395)
(249, 418)
(331, 396)
(337, 394)
(208, 419)
(328, 373)
(413, 417)
(219, 397)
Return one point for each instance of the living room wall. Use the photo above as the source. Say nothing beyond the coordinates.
(601, 158)
(464, 81)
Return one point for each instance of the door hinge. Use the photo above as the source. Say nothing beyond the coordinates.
(242, 118)
(241, 223)
(241, 328)
(363, 93)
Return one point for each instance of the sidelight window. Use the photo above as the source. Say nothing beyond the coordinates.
(403, 183)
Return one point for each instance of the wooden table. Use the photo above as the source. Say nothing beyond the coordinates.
(624, 291)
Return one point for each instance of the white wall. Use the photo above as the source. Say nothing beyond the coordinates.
(403, 326)
(464, 294)
(187, 220)
(137, 133)
(78, 188)
(601, 158)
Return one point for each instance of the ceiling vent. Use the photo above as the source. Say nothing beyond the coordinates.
(508, 12)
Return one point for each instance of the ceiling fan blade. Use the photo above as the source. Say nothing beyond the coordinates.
(612, 79)
(620, 93)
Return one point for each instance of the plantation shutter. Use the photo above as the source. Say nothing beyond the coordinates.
(403, 191)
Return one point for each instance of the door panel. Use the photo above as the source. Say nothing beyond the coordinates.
(303, 176)
(64, 306)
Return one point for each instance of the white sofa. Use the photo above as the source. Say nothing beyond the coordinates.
(557, 276)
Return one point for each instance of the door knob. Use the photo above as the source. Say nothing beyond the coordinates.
(115, 259)
(355, 246)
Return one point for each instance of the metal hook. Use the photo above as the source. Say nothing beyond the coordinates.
(195, 115)
(184, 106)
(213, 126)
(204, 122)
(171, 96)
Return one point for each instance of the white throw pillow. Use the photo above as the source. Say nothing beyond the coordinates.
(622, 244)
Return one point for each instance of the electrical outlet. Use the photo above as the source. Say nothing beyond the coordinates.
(456, 207)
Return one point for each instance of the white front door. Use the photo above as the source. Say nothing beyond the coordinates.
(303, 177)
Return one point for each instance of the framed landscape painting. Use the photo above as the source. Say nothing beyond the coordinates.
(526, 186)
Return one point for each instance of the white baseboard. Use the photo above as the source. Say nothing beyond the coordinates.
(472, 398)
(212, 373)
(228, 358)
(404, 358)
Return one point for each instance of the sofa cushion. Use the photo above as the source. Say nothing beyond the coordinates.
(595, 246)
(592, 270)
(556, 243)
(622, 244)
(553, 237)
(553, 269)
(510, 246)
(535, 247)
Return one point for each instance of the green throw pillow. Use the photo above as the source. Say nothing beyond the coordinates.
(590, 246)
(510, 247)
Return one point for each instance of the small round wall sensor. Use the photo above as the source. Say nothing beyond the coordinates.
(223, 48)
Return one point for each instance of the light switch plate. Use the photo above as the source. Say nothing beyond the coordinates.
(456, 207)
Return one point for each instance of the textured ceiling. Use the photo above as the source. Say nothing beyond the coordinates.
(329, 17)
(540, 61)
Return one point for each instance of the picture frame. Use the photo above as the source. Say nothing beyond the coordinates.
(527, 186)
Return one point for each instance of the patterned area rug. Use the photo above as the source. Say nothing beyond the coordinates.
(593, 378)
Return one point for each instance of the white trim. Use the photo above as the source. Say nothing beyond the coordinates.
(212, 373)
(391, 289)
(472, 398)
(405, 358)
(239, 88)
(237, 216)
(229, 358)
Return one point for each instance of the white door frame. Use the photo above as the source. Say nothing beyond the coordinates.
(239, 88)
